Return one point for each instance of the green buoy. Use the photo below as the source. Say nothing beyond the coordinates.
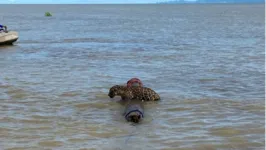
(48, 14)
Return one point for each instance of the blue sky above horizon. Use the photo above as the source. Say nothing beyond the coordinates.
(80, 1)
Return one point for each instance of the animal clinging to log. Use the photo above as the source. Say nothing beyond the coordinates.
(139, 93)
(133, 95)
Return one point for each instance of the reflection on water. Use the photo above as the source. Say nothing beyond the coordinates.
(206, 64)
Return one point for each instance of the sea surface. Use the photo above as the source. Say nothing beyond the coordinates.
(205, 61)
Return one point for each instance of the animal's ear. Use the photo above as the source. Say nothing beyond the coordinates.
(113, 87)
(116, 86)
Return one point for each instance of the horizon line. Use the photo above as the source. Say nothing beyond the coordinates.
(129, 3)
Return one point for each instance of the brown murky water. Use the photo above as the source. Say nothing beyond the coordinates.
(205, 61)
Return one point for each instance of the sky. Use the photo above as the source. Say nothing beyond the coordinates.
(80, 1)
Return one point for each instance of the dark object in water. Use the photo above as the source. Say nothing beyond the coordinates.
(134, 111)
(48, 14)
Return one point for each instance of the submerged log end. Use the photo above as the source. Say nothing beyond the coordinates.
(134, 113)
(135, 117)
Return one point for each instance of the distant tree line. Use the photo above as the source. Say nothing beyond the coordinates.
(215, 1)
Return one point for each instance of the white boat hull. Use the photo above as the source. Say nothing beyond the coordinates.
(8, 38)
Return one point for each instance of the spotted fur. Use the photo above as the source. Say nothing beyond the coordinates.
(140, 93)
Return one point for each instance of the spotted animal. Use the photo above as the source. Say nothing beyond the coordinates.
(134, 92)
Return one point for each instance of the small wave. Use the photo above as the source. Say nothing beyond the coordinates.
(70, 94)
(37, 42)
(83, 40)
(225, 131)
(207, 80)
(94, 105)
(51, 143)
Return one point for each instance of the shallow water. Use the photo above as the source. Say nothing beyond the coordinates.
(205, 61)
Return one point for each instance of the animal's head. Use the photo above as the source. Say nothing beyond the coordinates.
(116, 90)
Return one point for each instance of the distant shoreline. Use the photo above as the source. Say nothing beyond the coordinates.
(213, 1)
(161, 3)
